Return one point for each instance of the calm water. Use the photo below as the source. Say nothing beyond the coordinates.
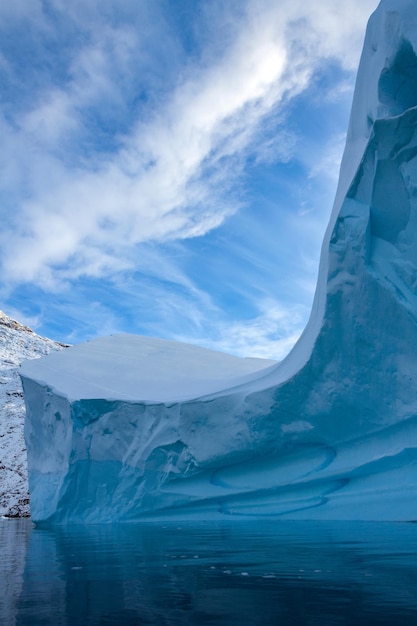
(265, 573)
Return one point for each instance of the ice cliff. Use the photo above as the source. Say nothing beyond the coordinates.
(127, 428)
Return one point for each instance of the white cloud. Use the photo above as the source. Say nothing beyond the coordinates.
(271, 334)
(169, 174)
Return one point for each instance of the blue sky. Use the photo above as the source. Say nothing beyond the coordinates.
(168, 167)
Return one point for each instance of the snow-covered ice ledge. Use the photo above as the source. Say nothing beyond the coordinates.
(128, 428)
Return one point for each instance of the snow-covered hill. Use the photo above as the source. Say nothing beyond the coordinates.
(17, 342)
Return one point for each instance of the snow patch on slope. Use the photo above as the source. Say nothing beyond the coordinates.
(17, 343)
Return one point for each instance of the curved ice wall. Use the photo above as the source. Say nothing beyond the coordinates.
(331, 432)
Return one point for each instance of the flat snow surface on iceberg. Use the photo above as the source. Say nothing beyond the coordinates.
(142, 369)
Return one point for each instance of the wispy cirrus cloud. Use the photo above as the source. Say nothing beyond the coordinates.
(169, 173)
(128, 125)
(270, 334)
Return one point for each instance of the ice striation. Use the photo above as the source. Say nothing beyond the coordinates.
(128, 428)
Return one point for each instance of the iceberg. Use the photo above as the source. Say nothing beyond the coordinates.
(128, 428)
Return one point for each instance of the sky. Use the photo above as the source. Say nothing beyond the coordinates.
(168, 167)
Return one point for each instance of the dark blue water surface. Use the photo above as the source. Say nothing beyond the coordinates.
(209, 573)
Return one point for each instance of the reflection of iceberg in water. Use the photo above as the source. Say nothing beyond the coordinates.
(14, 539)
(114, 430)
(262, 573)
